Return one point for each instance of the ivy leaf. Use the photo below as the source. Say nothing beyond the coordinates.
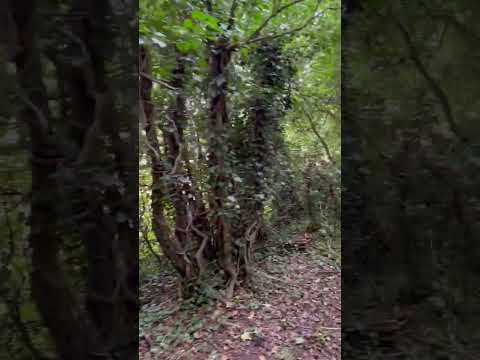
(208, 19)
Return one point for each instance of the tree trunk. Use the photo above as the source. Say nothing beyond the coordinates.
(180, 186)
(62, 313)
(172, 248)
(219, 58)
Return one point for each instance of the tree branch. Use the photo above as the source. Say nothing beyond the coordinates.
(89, 149)
(319, 108)
(158, 81)
(144, 230)
(322, 140)
(451, 19)
(143, 118)
(41, 124)
(297, 29)
(274, 13)
(434, 86)
(176, 135)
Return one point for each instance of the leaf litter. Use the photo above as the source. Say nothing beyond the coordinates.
(296, 317)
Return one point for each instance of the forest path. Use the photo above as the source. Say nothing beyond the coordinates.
(291, 310)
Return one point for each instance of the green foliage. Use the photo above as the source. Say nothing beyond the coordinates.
(292, 78)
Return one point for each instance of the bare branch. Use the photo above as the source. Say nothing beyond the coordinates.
(143, 117)
(297, 29)
(176, 134)
(146, 240)
(321, 109)
(451, 19)
(41, 123)
(158, 81)
(85, 61)
(88, 150)
(274, 13)
(432, 83)
(254, 37)
(315, 131)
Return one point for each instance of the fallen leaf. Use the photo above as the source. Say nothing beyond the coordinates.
(216, 314)
(246, 336)
(299, 340)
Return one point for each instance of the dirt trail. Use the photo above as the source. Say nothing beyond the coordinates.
(291, 311)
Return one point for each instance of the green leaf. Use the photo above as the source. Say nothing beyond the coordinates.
(244, 51)
(208, 19)
(188, 44)
(195, 43)
(142, 28)
(188, 24)
(199, 15)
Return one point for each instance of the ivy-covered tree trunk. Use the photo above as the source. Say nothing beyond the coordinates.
(274, 74)
(259, 137)
(220, 179)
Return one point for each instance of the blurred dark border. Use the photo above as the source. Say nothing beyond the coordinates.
(69, 179)
(410, 175)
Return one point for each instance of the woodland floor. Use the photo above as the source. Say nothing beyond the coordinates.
(291, 310)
